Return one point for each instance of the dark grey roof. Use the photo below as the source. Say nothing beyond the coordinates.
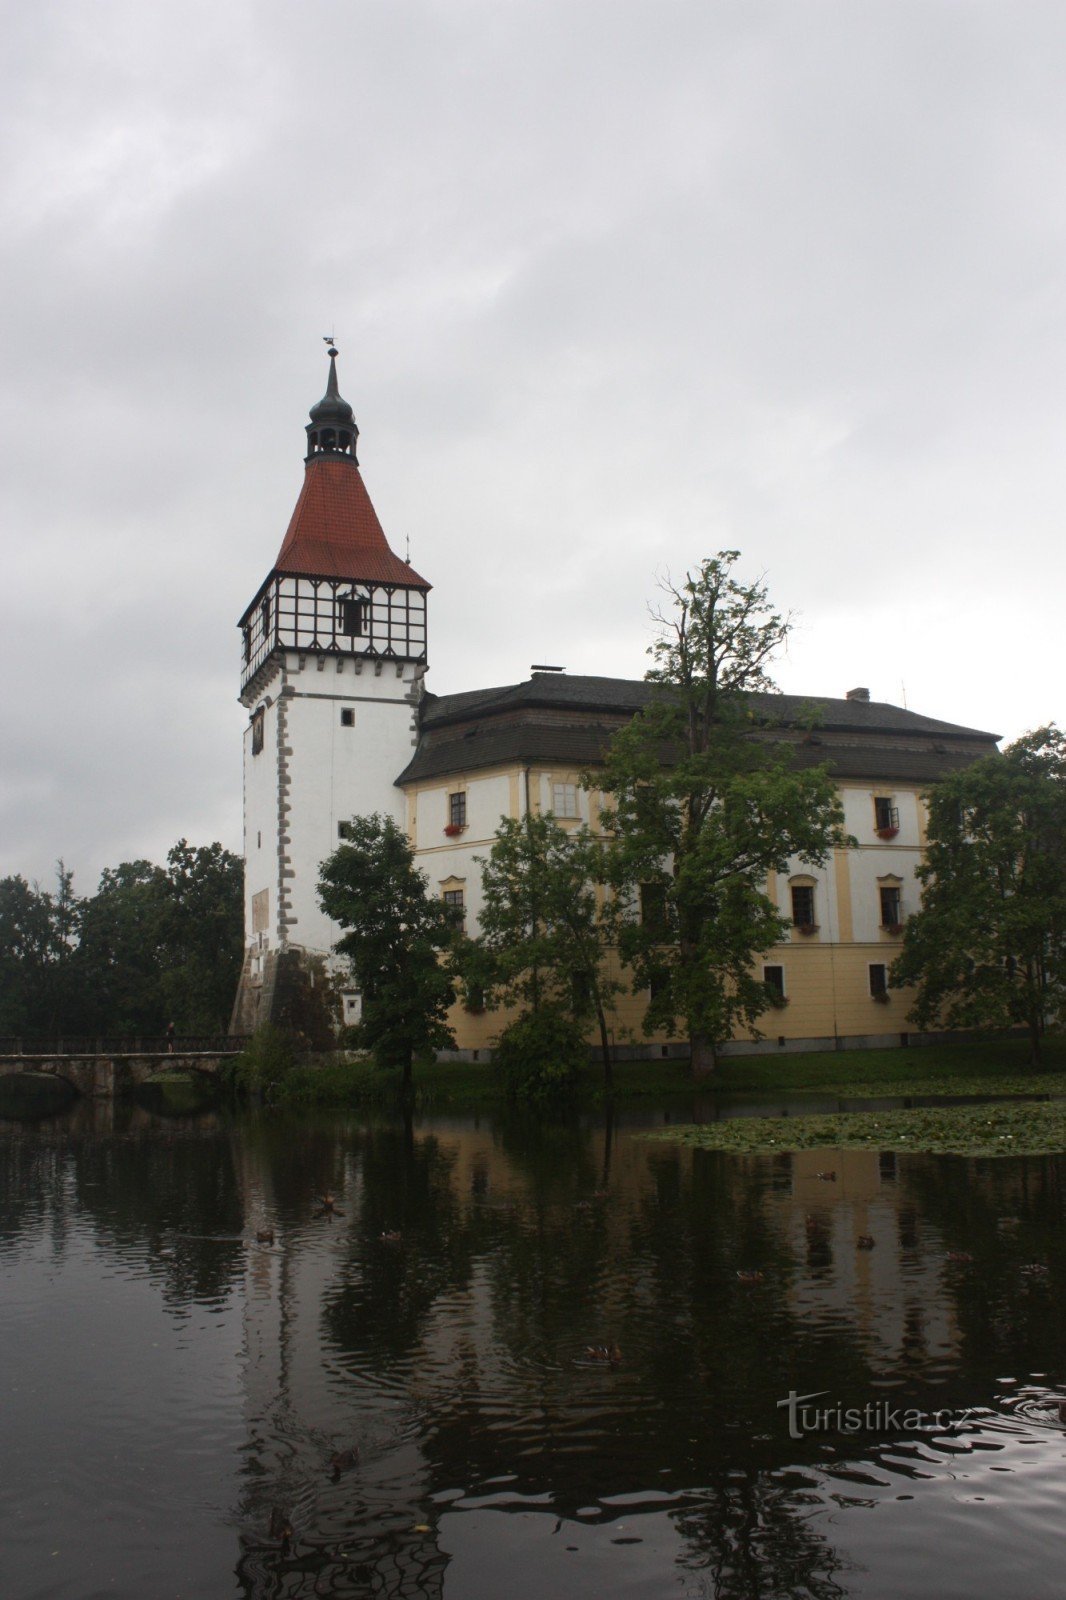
(570, 721)
(560, 690)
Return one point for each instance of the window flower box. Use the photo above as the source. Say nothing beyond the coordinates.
(881, 997)
(453, 829)
(806, 928)
(892, 927)
(886, 833)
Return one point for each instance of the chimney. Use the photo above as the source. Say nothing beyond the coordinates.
(857, 694)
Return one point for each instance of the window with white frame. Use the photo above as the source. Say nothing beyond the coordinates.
(564, 799)
(455, 900)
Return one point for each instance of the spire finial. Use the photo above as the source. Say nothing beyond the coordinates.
(332, 427)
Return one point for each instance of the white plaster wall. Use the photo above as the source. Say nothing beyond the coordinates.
(825, 904)
(442, 859)
(859, 813)
(336, 772)
(867, 867)
(260, 820)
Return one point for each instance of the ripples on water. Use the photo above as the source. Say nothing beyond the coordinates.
(170, 1382)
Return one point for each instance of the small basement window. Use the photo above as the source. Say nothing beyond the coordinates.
(347, 717)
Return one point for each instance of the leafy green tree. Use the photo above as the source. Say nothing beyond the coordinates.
(37, 933)
(161, 945)
(202, 935)
(395, 940)
(546, 928)
(122, 954)
(704, 802)
(988, 947)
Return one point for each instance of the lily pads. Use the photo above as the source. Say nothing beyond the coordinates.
(1000, 1129)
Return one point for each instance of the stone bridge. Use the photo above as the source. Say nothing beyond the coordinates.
(105, 1074)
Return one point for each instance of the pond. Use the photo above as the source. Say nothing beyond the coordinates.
(175, 1388)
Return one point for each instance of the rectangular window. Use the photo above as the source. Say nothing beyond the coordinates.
(351, 617)
(264, 612)
(886, 815)
(456, 900)
(580, 990)
(774, 978)
(802, 905)
(347, 717)
(257, 733)
(457, 810)
(564, 799)
(653, 907)
(247, 645)
(344, 830)
(879, 980)
(891, 908)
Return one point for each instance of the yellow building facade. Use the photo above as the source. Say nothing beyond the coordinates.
(525, 748)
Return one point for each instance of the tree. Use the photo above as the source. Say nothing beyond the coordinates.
(705, 801)
(203, 935)
(395, 940)
(37, 931)
(162, 945)
(988, 947)
(545, 927)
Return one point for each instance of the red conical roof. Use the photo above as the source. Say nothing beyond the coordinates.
(335, 532)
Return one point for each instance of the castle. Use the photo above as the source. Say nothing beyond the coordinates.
(340, 724)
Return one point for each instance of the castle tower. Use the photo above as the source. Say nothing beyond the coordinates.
(333, 656)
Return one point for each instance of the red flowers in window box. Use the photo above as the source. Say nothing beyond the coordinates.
(452, 829)
(886, 833)
(806, 927)
(892, 927)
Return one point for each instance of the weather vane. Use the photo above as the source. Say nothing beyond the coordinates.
(329, 339)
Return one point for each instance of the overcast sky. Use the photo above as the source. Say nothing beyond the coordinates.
(616, 284)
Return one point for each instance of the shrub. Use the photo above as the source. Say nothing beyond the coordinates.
(264, 1064)
(541, 1056)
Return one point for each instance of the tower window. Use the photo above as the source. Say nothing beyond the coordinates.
(264, 612)
(247, 642)
(457, 810)
(257, 733)
(347, 717)
(352, 617)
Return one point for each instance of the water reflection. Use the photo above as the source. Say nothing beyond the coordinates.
(440, 1327)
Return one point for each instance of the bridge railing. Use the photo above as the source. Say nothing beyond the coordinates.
(187, 1044)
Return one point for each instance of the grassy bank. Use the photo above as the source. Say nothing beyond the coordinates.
(993, 1067)
(1002, 1129)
